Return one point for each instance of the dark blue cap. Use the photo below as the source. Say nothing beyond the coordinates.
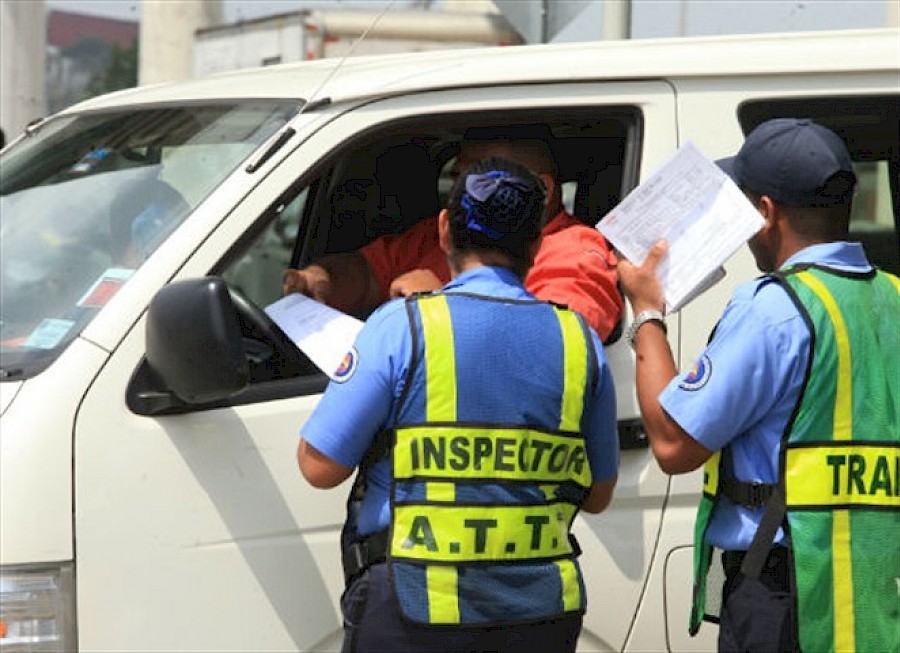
(794, 161)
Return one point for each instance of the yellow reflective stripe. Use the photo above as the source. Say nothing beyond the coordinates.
(842, 475)
(894, 280)
(844, 626)
(459, 534)
(571, 590)
(575, 371)
(842, 568)
(440, 492)
(440, 359)
(443, 595)
(843, 405)
(711, 474)
(466, 452)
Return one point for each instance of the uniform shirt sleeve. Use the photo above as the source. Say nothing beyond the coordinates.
(416, 248)
(749, 373)
(576, 268)
(350, 413)
(601, 428)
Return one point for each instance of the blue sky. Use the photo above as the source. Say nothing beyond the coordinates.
(650, 18)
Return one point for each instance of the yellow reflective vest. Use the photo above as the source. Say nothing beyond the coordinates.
(481, 512)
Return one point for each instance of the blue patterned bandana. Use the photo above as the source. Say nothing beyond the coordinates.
(495, 203)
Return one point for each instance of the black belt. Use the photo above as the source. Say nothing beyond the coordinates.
(360, 555)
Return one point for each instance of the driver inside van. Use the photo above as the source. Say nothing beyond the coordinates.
(141, 218)
(574, 266)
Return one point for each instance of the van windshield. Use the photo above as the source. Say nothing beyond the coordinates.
(85, 199)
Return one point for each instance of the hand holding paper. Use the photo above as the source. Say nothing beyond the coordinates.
(697, 209)
(640, 283)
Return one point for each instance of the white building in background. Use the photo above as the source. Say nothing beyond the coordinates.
(22, 44)
(167, 37)
(308, 35)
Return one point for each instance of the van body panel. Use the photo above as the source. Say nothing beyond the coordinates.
(8, 392)
(36, 459)
(212, 540)
(667, 600)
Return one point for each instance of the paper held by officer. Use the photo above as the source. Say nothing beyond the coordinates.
(321, 332)
(696, 207)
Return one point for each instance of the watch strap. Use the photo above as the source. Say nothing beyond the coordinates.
(642, 318)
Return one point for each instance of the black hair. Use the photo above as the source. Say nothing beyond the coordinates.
(520, 212)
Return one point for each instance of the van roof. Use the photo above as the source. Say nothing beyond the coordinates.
(386, 75)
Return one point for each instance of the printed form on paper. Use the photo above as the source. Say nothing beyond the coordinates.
(697, 209)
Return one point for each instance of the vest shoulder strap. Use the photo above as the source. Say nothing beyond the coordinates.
(752, 564)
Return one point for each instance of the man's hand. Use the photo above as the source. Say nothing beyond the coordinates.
(413, 282)
(343, 281)
(312, 281)
(640, 283)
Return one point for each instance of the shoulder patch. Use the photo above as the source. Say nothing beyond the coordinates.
(698, 376)
(347, 367)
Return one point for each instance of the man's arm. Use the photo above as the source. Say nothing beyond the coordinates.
(350, 414)
(674, 449)
(601, 435)
(599, 496)
(390, 266)
(344, 281)
(318, 469)
(574, 267)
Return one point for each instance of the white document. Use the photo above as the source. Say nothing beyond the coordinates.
(700, 212)
(323, 333)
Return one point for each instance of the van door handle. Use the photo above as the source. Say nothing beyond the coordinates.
(632, 434)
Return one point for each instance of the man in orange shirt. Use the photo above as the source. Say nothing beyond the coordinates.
(573, 267)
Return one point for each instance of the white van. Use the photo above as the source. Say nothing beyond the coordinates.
(149, 495)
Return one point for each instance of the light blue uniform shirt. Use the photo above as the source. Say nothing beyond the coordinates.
(747, 382)
(352, 412)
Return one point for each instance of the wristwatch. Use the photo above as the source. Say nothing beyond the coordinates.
(651, 315)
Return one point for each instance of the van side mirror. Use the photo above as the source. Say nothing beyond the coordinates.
(194, 343)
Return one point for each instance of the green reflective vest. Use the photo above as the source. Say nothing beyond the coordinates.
(481, 514)
(839, 470)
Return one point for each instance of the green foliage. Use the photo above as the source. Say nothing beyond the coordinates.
(121, 71)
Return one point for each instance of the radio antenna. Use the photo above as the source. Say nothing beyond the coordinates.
(313, 99)
(288, 131)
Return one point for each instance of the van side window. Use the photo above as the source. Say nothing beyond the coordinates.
(383, 183)
(871, 128)
(257, 274)
(873, 219)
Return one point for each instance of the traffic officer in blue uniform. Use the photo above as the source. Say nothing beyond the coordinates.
(793, 409)
(481, 421)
